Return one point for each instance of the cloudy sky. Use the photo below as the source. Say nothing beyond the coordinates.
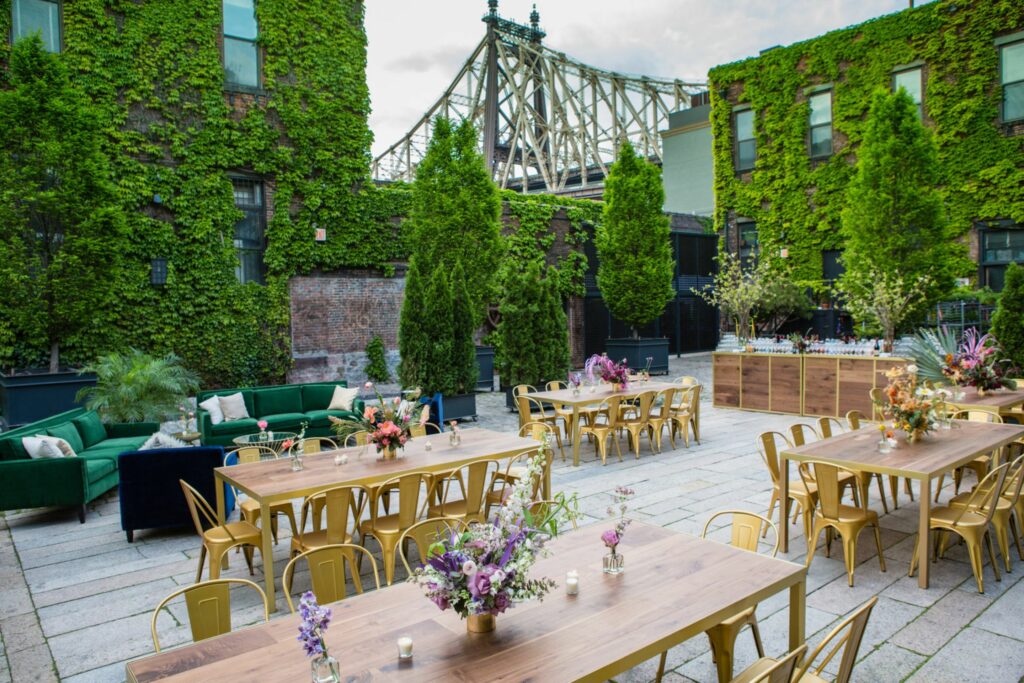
(416, 47)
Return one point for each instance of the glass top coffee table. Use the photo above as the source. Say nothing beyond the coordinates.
(268, 439)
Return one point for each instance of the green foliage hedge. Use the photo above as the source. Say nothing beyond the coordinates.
(796, 201)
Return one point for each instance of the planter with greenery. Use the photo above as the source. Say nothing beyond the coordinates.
(138, 387)
(635, 252)
(377, 362)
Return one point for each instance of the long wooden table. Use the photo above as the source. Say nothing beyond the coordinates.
(674, 587)
(1003, 400)
(940, 452)
(600, 394)
(273, 481)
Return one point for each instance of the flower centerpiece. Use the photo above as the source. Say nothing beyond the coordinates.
(616, 374)
(262, 424)
(483, 571)
(613, 561)
(913, 407)
(977, 364)
(575, 380)
(315, 620)
(388, 424)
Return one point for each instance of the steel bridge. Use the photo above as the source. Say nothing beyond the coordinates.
(547, 122)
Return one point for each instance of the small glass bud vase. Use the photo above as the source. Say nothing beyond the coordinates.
(325, 670)
(883, 446)
(263, 436)
(454, 439)
(296, 461)
(613, 563)
(575, 390)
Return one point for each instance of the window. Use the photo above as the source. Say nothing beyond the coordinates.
(1011, 73)
(910, 80)
(37, 16)
(748, 246)
(241, 59)
(999, 248)
(821, 124)
(831, 265)
(249, 230)
(746, 146)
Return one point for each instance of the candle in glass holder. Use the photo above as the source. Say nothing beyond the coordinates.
(427, 446)
(404, 647)
(572, 583)
(340, 459)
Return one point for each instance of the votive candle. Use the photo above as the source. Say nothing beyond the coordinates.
(572, 583)
(404, 647)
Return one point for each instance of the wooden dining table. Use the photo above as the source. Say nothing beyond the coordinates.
(674, 587)
(272, 481)
(940, 452)
(1003, 400)
(594, 395)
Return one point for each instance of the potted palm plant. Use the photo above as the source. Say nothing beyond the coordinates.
(137, 387)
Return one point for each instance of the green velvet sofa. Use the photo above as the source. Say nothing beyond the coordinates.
(284, 408)
(66, 482)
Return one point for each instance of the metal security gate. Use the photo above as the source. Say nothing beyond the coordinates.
(689, 323)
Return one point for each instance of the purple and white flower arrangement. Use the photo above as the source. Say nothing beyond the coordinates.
(485, 569)
(315, 620)
(608, 370)
(612, 537)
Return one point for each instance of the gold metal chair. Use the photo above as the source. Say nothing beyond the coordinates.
(686, 414)
(1005, 504)
(980, 465)
(803, 495)
(388, 528)
(636, 420)
(539, 510)
(344, 507)
(312, 445)
(419, 431)
(803, 434)
(522, 407)
(563, 411)
(209, 608)
(768, 670)
(878, 401)
(601, 431)
(424, 534)
(829, 426)
(327, 572)
(746, 534)
(501, 484)
(854, 419)
(686, 381)
(848, 636)
(219, 538)
(831, 515)
(661, 417)
(534, 410)
(469, 508)
(360, 438)
(249, 508)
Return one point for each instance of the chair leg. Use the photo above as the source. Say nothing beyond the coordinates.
(1003, 539)
(1016, 536)
(722, 651)
(202, 559)
(247, 553)
(661, 667)
(908, 489)
(974, 551)
(387, 552)
(756, 632)
(938, 486)
(771, 509)
(992, 556)
(878, 546)
(913, 560)
(881, 492)
(850, 556)
(812, 543)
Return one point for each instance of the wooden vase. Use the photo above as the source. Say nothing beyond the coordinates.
(480, 623)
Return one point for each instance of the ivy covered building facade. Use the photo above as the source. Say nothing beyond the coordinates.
(787, 124)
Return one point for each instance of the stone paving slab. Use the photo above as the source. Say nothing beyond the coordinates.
(76, 600)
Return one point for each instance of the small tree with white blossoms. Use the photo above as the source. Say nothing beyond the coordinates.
(736, 292)
(883, 299)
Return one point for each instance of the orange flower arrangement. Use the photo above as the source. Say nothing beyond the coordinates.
(911, 406)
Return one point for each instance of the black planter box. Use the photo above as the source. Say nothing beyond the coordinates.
(460, 407)
(637, 351)
(38, 395)
(485, 368)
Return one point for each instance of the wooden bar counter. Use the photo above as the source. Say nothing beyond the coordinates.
(798, 384)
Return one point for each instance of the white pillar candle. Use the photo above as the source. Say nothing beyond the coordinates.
(404, 647)
(427, 445)
(572, 583)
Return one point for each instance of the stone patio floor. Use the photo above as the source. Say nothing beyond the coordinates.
(76, 600)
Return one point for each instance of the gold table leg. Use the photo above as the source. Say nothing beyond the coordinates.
(924, 536)
(268, 554)
(575, 435)
(797, 609)
(783, 507)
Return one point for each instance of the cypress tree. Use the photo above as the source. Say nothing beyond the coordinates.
(634, 242)
(463, 347)
(437, 370)
(520, 329)
(412, 340)
(553, 343)
(1008, 321)
(376, 361)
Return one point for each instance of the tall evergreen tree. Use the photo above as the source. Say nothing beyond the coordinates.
(520, 329)
(61, 225)
(463, 327)
(455, 213)
(437, 371)
(412, 341)
(1008, 321)
(633, 242)
(554, 340)
(894, 223)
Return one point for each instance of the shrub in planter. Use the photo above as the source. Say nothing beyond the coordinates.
(1008, 321)
(376, 361)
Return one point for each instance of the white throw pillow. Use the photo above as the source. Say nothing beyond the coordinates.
(212, 406)
(44, 446)
(161, 440)
(343, 398)
(233, 407)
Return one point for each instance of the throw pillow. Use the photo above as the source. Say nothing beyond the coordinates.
(212, 406)
(233, 407)
(43, 446)
(161, 440)
(48, 449)
(343, 398)
(91, 428)
(69, 433)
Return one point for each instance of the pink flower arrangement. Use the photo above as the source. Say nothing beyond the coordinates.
(612, 537)
(387, 423)
(976, 363)
(608, 370)
(262, 424)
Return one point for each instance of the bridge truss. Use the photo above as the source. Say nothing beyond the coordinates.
(547, 122)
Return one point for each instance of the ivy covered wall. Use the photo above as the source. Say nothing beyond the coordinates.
(796, 202)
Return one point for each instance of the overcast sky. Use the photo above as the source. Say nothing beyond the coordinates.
(416, 47)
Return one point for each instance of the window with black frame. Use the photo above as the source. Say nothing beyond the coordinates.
(749, 247)
(241, 57)
(1000, 248)
(821, 125)
(910, 80)
(37, 16)
(746, 145)
(1011, 69)
(249, 231)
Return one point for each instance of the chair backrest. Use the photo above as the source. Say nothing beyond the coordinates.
(356, 439)
(803, 434)
(878, 401)
(537, 407)
(538, 431)
(200, 510)
(523, 407)
(979, 414)
(418, 431)
(829, 427)
(314, 444)
(248, 454)
(782, 670)
(427, 532)
(327, 572)
(984, 497)
(539, 511)
(209, 608)
(826, 478)
(519, 461)
(409, 487)
(746, 529)
(768, 445)
(645, 401)
(686, 381)
(1014, 480)
(848, 635)
(555, 385)
(695, 398)
(854, 418)
(342, 505)
(474, 477)
(520, 389)
(666, 396)
(614, 414)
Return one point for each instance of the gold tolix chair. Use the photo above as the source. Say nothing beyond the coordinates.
(471, 507)
(601, 431)
(982, 463)
(344, 507)
(424, 534)
(803, 434)
(686, 414)
(636, 420)
(848, 636)
(220, 537)
(209, 608)
(831, 515)
(768, 670)
(971, 523)
(388, 528)
(800, 493)
(1005, 504)
(829, 426)
(502, 482)
(327, 572)
(311, 445)
(249, 508)
(661, 417)
(854, 420)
